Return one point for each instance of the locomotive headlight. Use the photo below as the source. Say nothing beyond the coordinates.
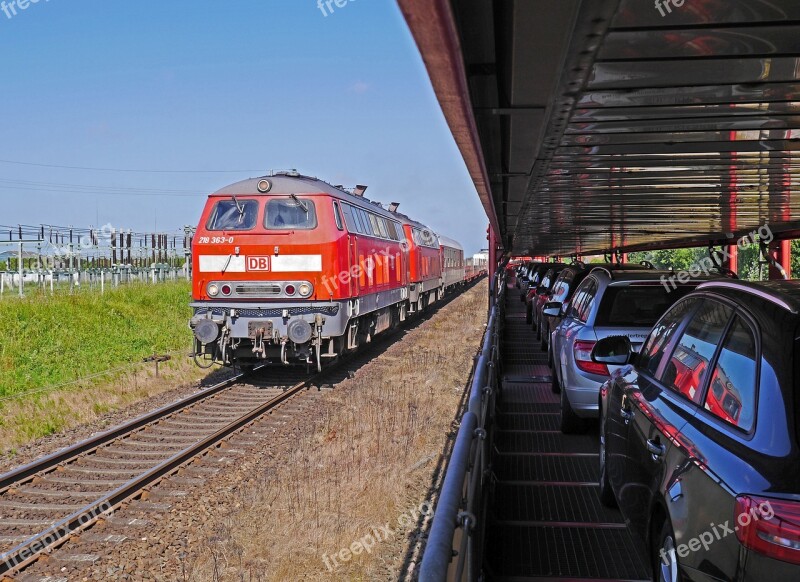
(206, 331)
(299, 331)
(305, 290)
(213, 290)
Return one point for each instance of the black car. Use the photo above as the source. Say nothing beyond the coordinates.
(533, 278)
(538, 294)
(700, 434)
(525, 273)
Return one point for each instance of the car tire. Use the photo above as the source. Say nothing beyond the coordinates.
(528, 315)
(664, 544)
(605, 491)
(569, 422)
(544, 333)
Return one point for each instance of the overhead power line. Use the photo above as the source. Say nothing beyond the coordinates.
(135, 171)
(61, 188)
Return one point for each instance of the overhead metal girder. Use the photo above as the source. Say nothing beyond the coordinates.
(629, 124)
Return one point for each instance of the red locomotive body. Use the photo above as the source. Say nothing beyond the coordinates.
(290, 269)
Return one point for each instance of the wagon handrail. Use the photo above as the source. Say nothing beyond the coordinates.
(455, 544)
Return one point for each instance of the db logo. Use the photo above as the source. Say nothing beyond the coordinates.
(258, 263)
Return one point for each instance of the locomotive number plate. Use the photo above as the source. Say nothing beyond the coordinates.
(264, 328)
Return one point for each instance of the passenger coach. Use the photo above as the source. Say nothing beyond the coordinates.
(290, 269)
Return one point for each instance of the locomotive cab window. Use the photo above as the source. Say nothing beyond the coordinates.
(234, 214)
(283, 214)
(337, 216)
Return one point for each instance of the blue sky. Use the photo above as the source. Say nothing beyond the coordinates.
(238, 88)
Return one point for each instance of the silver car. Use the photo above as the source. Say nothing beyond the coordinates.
(607, 303)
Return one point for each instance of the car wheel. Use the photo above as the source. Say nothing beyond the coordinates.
(665, 560)
(606, 493)
(570, 423)
(554, 385)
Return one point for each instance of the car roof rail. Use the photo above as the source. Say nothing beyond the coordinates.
(758, 291)
(606, 270)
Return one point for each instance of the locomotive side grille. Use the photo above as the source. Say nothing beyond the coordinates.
(257, 289)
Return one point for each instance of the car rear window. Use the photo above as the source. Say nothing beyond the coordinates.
(285, 214)
(637, 305)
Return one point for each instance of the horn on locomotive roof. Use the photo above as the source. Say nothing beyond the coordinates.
(360, 190)
(394, 206)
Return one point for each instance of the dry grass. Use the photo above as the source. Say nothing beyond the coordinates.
(355, 465)
(24, 419)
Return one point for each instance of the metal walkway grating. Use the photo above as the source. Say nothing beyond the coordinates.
(545, 518)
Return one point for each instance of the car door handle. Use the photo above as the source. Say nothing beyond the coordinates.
(627, 415)
(656, 450)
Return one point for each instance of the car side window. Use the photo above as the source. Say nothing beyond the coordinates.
(659, 339)
(732, 392)
(586, 306)
(561, 288)
(687, 369)
(578, 300)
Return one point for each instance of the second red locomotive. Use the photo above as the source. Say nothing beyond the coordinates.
(287, 268)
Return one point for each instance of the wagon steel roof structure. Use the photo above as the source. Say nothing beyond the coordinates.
(592, 125)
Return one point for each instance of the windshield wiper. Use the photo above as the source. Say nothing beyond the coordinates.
(227, 264)
(300, 203)
(239, 207)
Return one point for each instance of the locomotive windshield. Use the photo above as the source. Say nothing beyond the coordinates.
(234, 214)
(290, 214)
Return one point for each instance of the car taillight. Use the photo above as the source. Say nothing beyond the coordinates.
(769, 526)
(583, 359)
(226, 289)
(290, 290)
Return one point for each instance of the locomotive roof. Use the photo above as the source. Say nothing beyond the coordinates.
(285, 184)
(449, 242)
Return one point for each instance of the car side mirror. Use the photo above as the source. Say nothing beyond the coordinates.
(615, 350)
(552, 309)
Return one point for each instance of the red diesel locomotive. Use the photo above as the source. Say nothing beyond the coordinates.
(289, 269)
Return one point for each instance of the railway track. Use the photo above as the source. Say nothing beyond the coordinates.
(47, 502)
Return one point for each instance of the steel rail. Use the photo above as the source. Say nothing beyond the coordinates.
(30, 550)
(50, 462)
(453, 550)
